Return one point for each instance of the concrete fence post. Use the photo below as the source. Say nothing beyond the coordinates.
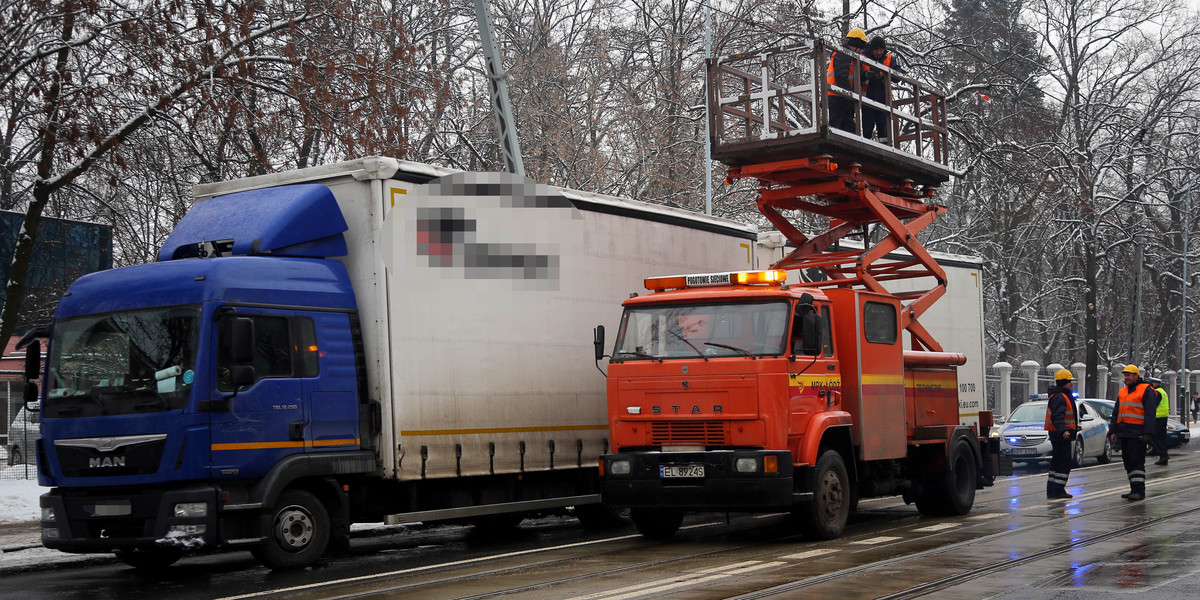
(1004, 402)
(1031, 368)
(1079, 371)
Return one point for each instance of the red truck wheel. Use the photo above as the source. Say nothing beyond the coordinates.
(657, 523)
(953, 491)
(825, 516)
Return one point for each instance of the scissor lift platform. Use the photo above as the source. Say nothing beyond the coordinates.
(771, 124)
(774, 105)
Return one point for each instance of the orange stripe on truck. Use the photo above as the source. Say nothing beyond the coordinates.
(422, 432)
(277, 445)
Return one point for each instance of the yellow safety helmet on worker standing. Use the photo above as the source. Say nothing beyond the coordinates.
(857, 34)
(1132, 369)
(1064, 375)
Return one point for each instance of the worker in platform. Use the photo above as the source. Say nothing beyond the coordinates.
(1062, 425)
(1131, 427)
(875, 121)
(839, 73)
(1160, 422)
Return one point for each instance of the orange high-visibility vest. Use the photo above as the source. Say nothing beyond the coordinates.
(1070, 416)
(887, 62)
(833, 80)
(1129, 405)
(829, 74)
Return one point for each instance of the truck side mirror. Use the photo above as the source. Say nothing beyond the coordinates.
(242, 375)
(241, 342)
(33, 372)
(598, 341)
(810, 328)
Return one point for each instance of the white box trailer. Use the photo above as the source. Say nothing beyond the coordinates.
(478, 293)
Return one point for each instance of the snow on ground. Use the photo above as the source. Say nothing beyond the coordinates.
(19, 496)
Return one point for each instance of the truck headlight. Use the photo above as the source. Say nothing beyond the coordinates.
(191, 509)
(619, 467)
(47, 513)
(49, 533)
(746, 465)
(186, 530)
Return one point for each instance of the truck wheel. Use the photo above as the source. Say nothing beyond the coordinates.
(952, 492)
(1077, 454)
(825, 517)
(657, 523)
(299, 532)
(1106, 454)
(149, 560)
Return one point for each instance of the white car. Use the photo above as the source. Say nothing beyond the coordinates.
(1024, 436)
(22, 436)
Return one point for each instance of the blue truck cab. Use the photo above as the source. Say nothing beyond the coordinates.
(182, 397)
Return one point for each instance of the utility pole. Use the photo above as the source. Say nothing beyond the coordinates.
(1136, 331)
(1185, 399)
(707, 121)
(509, 146)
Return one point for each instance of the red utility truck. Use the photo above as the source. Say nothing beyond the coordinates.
(740, 391)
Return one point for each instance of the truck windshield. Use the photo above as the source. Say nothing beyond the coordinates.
(123, 362)
(702, 330)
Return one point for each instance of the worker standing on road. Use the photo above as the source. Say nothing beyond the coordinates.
(1130, 426)
(1160, 421)
(1062, 425)
(839, 73)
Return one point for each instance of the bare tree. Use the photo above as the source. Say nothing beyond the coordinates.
(95, 74)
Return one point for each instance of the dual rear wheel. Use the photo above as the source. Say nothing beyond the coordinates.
(951, 492)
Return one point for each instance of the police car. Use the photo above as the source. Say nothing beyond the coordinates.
(1024, 436)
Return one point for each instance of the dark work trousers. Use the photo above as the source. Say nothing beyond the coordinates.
(1060, 465)
(875, 123)
(1133, 454)
(1160, 437)
(841, 113)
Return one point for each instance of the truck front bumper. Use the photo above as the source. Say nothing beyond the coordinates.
(108, 519)
(648, 479)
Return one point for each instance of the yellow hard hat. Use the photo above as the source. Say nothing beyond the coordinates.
(1132, 369)
(857, 34)
(1063, 375)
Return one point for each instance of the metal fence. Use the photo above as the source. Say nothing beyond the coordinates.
(19, 429)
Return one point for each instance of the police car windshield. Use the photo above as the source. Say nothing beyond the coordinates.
(1029, 412)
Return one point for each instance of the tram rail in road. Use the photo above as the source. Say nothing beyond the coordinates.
(1014, 542)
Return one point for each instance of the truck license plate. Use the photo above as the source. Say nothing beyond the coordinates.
(111, 509)
(1025, 451)
(681, 471)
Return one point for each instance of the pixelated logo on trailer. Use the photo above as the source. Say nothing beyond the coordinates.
(494, 226)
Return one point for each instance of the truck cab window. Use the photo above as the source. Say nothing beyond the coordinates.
(879, 323)
(826, 331)
(272, 350)
(124, 362)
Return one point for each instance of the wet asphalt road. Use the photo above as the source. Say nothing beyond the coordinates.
(1013, 545)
